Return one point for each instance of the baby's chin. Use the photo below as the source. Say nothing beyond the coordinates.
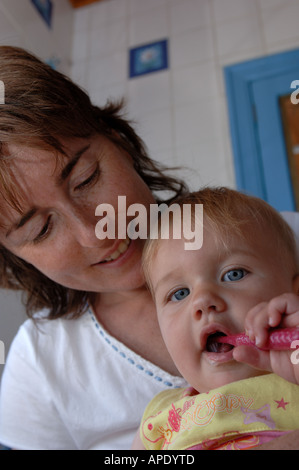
(225, 375)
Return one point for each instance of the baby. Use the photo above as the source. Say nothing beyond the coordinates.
(243, 278)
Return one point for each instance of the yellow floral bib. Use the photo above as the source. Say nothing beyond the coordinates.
(240, 415)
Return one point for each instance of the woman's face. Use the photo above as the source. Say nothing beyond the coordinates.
(56, 230)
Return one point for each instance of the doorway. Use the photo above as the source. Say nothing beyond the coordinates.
(264, 123)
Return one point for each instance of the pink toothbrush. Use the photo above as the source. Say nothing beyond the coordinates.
(279, 339)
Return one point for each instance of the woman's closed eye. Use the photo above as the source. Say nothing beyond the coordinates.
(234, 275)
(45, 231)
(89, 181)
(179, 294)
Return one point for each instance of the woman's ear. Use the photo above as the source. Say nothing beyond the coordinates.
(296, 284)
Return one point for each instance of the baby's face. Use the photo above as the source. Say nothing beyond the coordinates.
(201, 294)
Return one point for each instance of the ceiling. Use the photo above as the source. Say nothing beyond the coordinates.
(82, 3)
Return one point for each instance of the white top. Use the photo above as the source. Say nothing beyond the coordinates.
(68, 384)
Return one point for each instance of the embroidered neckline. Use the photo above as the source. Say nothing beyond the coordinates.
(124, 354)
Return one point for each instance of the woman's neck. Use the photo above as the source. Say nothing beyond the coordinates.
(130, 317)
(113, 300)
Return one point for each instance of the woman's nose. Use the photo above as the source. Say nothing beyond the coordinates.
(83, 227)
(206, 301)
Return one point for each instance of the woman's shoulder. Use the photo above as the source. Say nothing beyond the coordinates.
(39, 333)
(41, 324)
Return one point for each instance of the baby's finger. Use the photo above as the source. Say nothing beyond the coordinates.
(254, 319)
(257, 324)
(284, 305)
(290, 321)
(253, 357)
(281, 311)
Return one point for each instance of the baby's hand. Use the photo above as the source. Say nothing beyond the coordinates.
(282, 312)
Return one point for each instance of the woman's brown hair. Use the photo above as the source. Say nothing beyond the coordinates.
(42, 107)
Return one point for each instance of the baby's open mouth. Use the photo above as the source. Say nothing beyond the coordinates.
(214, 346)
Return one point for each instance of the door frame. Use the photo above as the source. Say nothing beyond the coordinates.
(239, 79)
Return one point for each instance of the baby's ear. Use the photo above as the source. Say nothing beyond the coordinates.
(296, 284)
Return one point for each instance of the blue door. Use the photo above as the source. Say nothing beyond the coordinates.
(254, 89)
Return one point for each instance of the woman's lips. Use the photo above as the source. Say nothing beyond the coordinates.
(122, 248)
(117, 253)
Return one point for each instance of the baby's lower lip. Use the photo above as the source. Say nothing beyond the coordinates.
(219, 358)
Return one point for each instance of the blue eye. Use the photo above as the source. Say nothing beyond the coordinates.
(180, 294)
(234, 275)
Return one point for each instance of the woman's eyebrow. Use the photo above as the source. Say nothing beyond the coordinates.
(71, 164)
(22, 221)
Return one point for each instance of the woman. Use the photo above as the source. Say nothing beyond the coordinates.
(82, 369)
(71, 383)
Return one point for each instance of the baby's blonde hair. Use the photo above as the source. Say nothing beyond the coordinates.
(227, 211)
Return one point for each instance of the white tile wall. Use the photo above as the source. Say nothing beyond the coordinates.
(281, 22)
(194, 83)
(148, 26)
(21, 25)
(228, 10)
(181, 112)
(152, 93)
(190, 14)
(192, 47)
(108, 39)
(239, 36)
